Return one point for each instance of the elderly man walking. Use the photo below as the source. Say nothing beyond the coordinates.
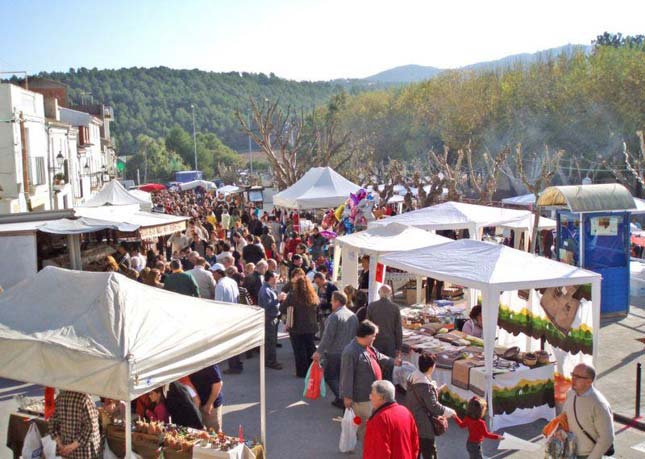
(387, 317)
(589, 415)
(203, 278)
(391, 430)
(340, 330)
(360, 366)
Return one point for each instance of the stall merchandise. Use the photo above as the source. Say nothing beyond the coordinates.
(107, 335)
(514, 311)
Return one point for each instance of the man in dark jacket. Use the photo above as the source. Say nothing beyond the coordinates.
(387, 316)
(180, 282)
(360, 366)
(391, 430)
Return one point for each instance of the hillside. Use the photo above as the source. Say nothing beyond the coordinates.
(151, 101)
(415, 73)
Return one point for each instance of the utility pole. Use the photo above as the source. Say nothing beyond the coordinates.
(194, 135)
(250, 153)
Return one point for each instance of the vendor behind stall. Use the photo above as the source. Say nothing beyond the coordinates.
(473, 326)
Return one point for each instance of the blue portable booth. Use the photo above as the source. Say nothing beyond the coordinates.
(593, 232)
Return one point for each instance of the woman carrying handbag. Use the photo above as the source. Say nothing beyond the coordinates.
(422, 400)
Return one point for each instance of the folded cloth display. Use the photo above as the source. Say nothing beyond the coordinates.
(461, 371)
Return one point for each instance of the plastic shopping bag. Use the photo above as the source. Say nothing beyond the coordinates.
(49, 447)
(315, 382)
(348, 432)
(32, 448)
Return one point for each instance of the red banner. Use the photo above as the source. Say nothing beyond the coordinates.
(380, 273)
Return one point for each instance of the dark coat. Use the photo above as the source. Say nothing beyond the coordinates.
(305, 316)
(387, 316)
(421, 399)
(356, 373)
(182, 283)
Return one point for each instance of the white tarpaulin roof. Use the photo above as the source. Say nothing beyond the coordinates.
(104, 334)
(195, 183)
(228, 189)
(83, 225)
(138, 219)
(114, 194)
(479, 264)
(527, 222)
(456, 215)
(319, 188)
(391, 238)
(524, 200)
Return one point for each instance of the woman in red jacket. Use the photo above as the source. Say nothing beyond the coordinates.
(391, 431)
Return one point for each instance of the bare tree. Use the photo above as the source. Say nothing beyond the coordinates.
(484, 182)
(450, 171)
(293, 142)
(538, 176)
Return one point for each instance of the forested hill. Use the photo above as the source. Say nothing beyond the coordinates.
(152, 100)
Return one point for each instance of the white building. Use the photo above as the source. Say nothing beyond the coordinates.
(91, 161)
(24, 178)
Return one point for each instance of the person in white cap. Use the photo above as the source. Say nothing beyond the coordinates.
(226, 288)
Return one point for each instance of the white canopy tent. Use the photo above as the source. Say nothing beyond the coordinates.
(523, 200)
(376, 242)
(106, 335)
(144, 196)
(115, 194)
(453, 215)
(195, 183)
(319, 188)
(492, 269)
(228, 189)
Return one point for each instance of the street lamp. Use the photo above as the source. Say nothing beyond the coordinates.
(60, 159)
(192, 106)
(86, 169)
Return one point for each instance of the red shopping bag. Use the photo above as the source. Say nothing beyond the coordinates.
(314, 382)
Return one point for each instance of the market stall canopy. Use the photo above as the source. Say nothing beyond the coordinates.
(588, 198)
(144, 196)
(228, 189)
(205, 184)
(84, 225)
(149, 224)
(114, 194)
(457, 215)
(152, 187)
(543, 224)
(319, 188)
(524, 200)
(104, 334)
(391, 238)
(395, 199)
(482, 264)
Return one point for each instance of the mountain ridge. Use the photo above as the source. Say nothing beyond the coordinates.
(413, 73)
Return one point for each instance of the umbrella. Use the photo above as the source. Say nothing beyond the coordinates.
(152, 187)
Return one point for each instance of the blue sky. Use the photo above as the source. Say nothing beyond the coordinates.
(304, 40)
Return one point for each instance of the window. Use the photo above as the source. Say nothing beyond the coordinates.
(40, 176)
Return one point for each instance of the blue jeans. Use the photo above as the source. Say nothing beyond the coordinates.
(332, 373)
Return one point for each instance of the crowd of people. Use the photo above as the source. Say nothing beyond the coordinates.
(233, 251)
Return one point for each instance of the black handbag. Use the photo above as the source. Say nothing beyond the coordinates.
(610, 451)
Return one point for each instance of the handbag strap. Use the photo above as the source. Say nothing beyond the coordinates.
(575, 414)
(422, 402)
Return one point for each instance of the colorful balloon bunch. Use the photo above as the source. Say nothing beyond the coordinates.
(356, 212)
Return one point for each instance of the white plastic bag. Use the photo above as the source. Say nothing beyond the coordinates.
(348, 431)
(32, 448)
(49, 447)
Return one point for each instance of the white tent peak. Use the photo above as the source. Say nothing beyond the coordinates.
(456, 215)
(319, 188)
(481, 264)
(114, 194)
(105, 334)
(393, 237)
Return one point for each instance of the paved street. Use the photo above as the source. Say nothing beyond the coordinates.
(307, 429)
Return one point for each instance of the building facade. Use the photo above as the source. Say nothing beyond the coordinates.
(24, 173)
